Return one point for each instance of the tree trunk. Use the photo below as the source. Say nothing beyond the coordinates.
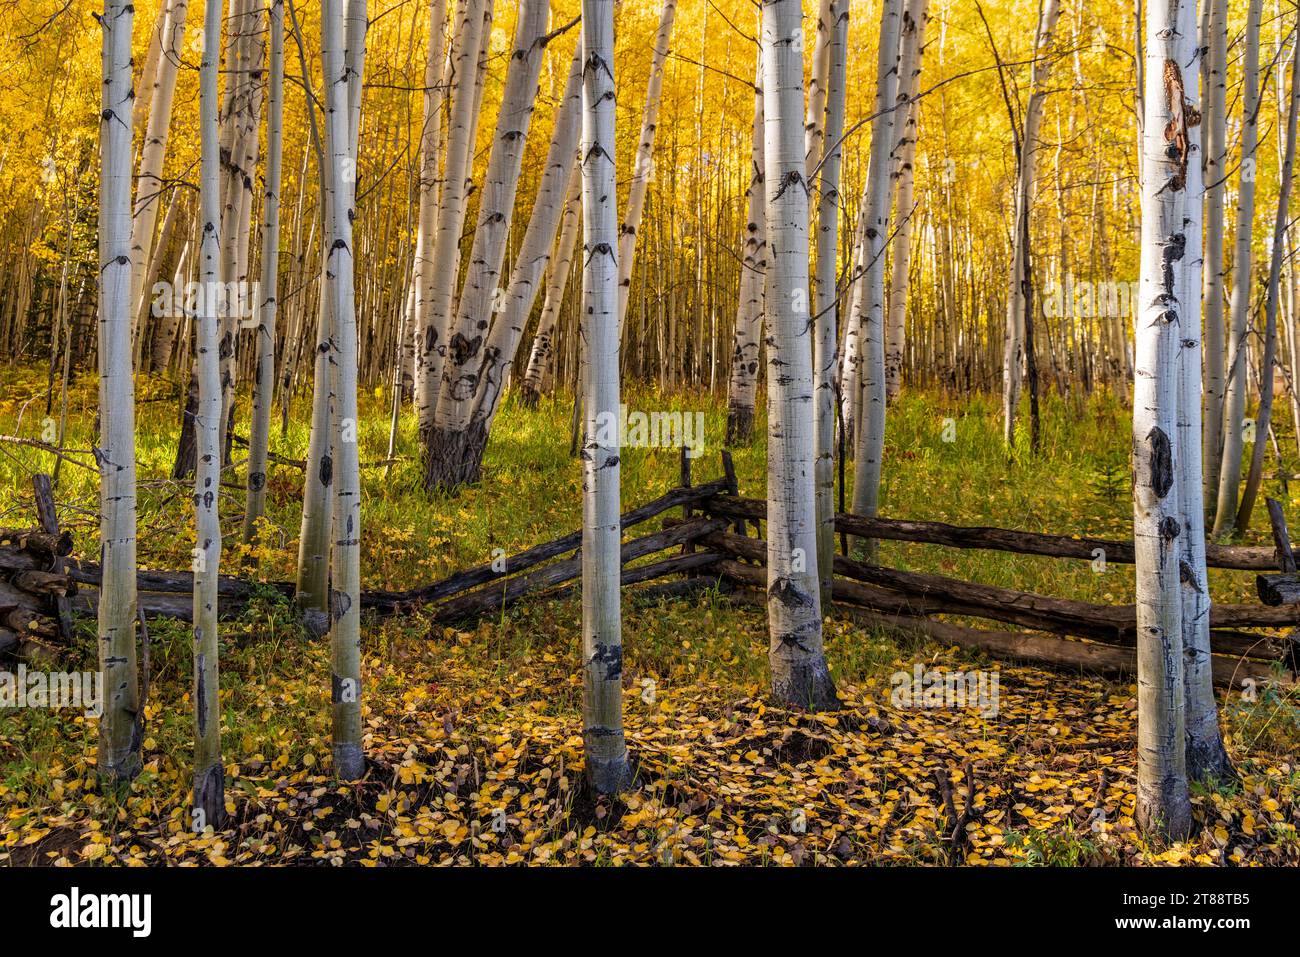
(209, 776)
(869, 299)
(541, 359)
(1215, 122)
(800, 677)
(608, 771)
(1225, 513)
(120, 722)
(449, 459)
(264, 378)
(1018, 285)
(1162, 799)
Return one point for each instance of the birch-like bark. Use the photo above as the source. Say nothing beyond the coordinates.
(149, 182)
(436, 318)
(800, 677)
(814, 128)
(1162, 799)
(608, 771)
(541, 358)
(120, 721)
(915, 17)
(1225, 513)
(1215, 124)
(1205, 755)
(643, 164)
(530, 264)
(1013, 355)
(450, 460)
(825, 329)
(345, 598)
(1263, 419)
(869, 300)
(430, 168)
(742, 386)
(209, 776)
(259, 433)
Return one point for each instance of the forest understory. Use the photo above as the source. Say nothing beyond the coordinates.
(472, 733)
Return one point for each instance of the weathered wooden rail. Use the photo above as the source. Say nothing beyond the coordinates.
(42, 588)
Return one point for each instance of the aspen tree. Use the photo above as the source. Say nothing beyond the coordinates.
(209, 776)
(264, 375)
(643, 163)
(608, 770)
(1018, 291)
(814, 135)
(1234, 409)
(826, 336)
(541, 357)
(450, 461)
(1215, 124)
(868, 315)
(742, 386)
(915, 17)
(1163, 804)
(800, 676)
(118, 759)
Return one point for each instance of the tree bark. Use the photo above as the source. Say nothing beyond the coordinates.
(1215, 122)
(541, 359)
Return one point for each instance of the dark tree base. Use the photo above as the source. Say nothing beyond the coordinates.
(609, 775)
(1208, 762)
(453, 459)
(210, 796)
(808, 686)
(187, 453)
(740, 426)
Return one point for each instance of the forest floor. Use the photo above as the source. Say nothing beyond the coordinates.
(473, 734)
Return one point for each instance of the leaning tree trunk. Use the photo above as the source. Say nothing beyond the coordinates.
(264, 376)
(742, 387)
(604, 744)
(345, 603)
(1162, 798)
(915, 17)
(1256, 473)
(1205, 755)
(435, 317)
(800, 677)
(149, 182)
(449, 458)
(643, 164)
(541, 358)
(868, 317)
(1216, 171)
(1225, 512)
(209, 783)
(119, 725)
(1018, 288)
(530, 265)
(814, 127)
(825, 330)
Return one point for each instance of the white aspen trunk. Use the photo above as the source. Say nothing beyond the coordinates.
(118, 759)
(915, 17)
(430, 168)
(164, 336)
(869, 300)
(742, 386)
(1163, 805)
(436, 318)
(345, 599)
(1225, 513)
(264, 377)
(1013, 356)
(825, 329)
(1205, 755)
(541, 358)
(1216, 171)
(149, 181)
(800, 677)
(165, 328)
(450, 459)
(608, 771)
(209, 776)
(643, 164)
(530, 263)
(814, 135)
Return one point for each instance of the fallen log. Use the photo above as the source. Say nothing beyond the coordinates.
(1108, 660)
(996, 539)
(916, 593)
